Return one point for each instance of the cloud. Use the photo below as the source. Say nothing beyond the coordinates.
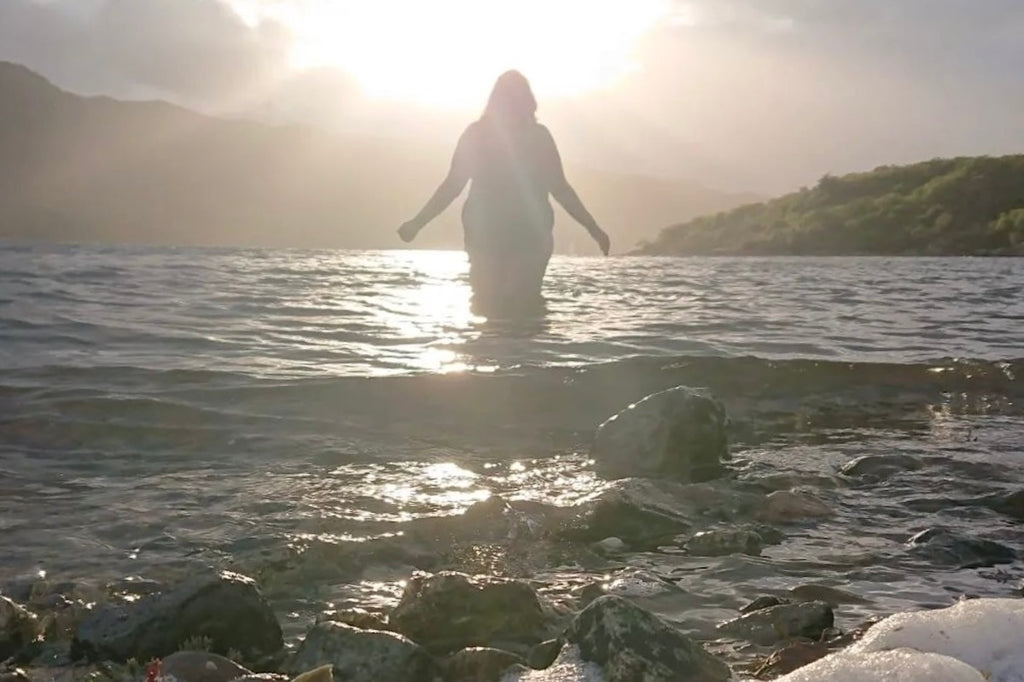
(190, 50)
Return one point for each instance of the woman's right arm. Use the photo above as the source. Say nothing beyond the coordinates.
(449, 189)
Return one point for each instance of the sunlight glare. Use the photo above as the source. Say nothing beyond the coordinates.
(447, 53)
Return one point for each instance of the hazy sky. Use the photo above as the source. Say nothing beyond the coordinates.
(762, 95)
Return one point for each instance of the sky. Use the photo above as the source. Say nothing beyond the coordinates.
(745, 95)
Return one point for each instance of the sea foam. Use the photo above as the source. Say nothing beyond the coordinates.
(973, 641)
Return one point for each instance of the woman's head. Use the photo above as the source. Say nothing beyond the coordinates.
(511, 99)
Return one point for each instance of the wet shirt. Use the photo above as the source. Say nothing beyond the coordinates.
(512, 171)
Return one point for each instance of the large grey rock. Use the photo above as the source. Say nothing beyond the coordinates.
(631, 644)
(769, 625)
(678, 432)
(363, 655)
(942, 545)
(201, 666)
(448, 611)
(224, 608)
(644, 513)
(480, 664)
(18, 627)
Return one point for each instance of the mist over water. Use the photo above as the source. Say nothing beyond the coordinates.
(161, 408)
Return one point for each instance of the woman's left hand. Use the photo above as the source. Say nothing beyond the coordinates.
(602, 239)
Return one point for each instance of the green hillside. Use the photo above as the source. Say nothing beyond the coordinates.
(961, 206)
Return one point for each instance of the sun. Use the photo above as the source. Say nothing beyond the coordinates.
(447, 53)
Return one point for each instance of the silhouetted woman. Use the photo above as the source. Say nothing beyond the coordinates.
(507, 219)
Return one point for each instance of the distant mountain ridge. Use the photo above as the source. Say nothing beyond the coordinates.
(94, 169)
(942, 207)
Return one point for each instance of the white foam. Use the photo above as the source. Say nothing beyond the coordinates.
(976, 639)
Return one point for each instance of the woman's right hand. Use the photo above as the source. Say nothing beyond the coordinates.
(408, 231)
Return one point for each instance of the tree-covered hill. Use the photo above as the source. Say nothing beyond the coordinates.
(961, 206)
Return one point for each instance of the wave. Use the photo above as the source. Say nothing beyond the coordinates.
(754, 390)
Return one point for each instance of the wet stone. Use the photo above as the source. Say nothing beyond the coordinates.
(784, 506)
(362, 655)
(357, 618)
(763, 602)
(943, 546)
(724, 542)
(631, 644)
(479, 664)
(769, 625)
(881, 466)
(543, 655)
(678, 432)
(1008, 504)
(201, 666)
(475, 611)
(18, 627)
(224, 608)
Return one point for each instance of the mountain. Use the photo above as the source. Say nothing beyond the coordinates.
(93, 169)
(945, 207)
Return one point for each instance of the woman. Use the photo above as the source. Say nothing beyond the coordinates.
(507, 219)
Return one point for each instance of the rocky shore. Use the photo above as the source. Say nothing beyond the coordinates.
(476, 605)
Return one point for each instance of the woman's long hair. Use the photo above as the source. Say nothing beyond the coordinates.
(511, 100)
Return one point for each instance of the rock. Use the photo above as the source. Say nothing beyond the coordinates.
(324, 673)
(363, 655)
(224, 608)
(15, 675)
(645, 513)
(638, 583)
(783, 506)
(201, 666)
(475, 611)
(723, 542)
(479, 664)
(276, 677)
(1009, 504)
(678, 432)
(790, 657)
(611, 546)
(543, 655)
(357, 618)
(769, 625)
(944, 546)
(632, 644)
(19, 627)
(881, 466)
(762, 603)
(833, 596)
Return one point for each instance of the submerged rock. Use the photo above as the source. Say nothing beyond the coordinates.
(944, 546)
(881, 466)
(645, 513)
(783, 506)
(722, 542)
(763, 602)
(357, 618)
(833, 596)
(224, 608)
(631, 644)
(201, 666)
(769, 625)
(1009, 504)
(480, 664)
(678, 432)
(363, 655)
(18, 627)
(474, 611)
